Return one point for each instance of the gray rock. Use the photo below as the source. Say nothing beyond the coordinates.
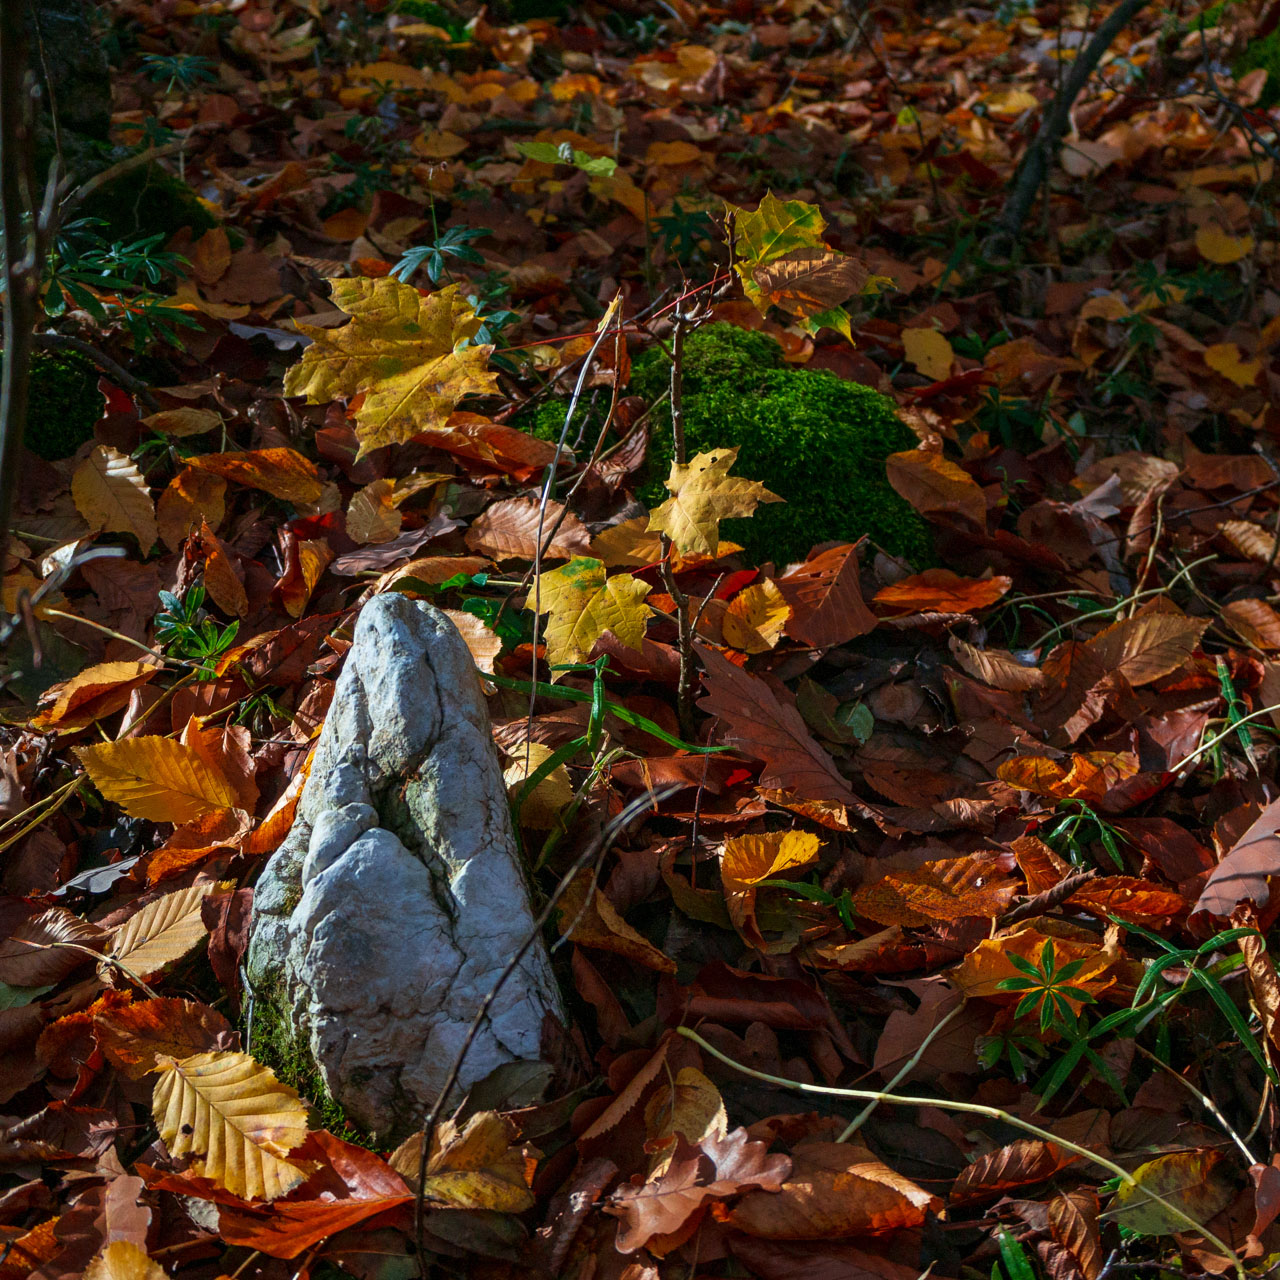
(398, 897)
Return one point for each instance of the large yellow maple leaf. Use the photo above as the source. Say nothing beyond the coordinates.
(702, 494)
(582, 604)
(409, 356)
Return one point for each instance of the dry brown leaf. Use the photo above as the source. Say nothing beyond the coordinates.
(1149, 645)
(508, 530)
(191, 499)
(111, 494)
(932, 483)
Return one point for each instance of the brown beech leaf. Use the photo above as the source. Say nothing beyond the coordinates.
(1073, 1223)
(1242, 875)
(1255, 622)
(34, 953)
(761, 726)
(588, 918)
(1149, 645)
(1020, 1164)
(191, 499)
(827, 607)
(663, 1212)
(131, 1037)
(111, 494)
(932, 484)
(508, 530)
(283, 473)
(997, 667)
(941, 591)
(99, 691)
(948, 889)
(834, 1190)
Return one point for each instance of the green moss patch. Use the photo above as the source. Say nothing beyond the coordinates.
(64, 404)
(147, 202)
(816, 440)
(274, 1045)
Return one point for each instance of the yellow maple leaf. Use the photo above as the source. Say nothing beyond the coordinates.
(702, 494)
(582, 604)
(409, 356)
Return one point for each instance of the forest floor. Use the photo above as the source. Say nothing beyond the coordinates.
(993, 819)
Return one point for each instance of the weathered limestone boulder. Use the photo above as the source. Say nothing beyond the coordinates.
(387, 915)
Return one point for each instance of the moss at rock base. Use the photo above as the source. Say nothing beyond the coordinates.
(274, 1045)
(816, 440)
(64, 404)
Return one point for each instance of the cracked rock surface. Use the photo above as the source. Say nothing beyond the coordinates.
(396, 900)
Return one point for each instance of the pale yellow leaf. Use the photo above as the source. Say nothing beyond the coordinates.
(582, 604)
(702, 494)
(111, 494)
(164, 931)
(236, 1117)
(1225, 358)
(544, 804)
(929, 351)
(756, 617)
(1215, 245)
(156, 778)
(410, 358)
(123, 1260)
(485, 645)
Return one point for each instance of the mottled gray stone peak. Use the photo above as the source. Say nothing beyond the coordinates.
(398, 897)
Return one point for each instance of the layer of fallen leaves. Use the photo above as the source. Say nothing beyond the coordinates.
(930, 778)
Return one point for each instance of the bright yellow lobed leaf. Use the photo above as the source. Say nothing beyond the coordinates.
(702, 494)
(236, 1117)
(156, 778)
(582, 604)
(929, 351)
(404, 353)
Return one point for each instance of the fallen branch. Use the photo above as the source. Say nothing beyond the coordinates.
(1043, 150)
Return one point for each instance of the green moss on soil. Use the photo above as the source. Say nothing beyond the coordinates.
(816, 440)
(64, 404)
(147, 202)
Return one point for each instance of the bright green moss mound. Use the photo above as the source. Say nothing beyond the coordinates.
(815, 439)
(64, 404)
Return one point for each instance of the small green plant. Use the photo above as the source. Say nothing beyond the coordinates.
(686, 233)
(112, 281)
(452, 242)
(1073, 836)
(1047, 988)
(183, 70)
(190, 634)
